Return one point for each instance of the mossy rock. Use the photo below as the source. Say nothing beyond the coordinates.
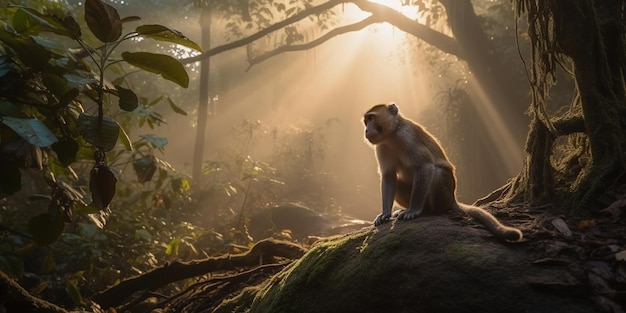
(430, 264)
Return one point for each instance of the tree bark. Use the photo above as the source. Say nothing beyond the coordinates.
(587, 33)
(596, 83)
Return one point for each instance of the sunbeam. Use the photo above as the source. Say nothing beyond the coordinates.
(507, 148)
(337, 81)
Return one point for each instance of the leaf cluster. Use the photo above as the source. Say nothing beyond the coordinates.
(54, 101)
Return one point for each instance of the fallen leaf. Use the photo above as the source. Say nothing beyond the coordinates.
(561, 226)
(586, 224)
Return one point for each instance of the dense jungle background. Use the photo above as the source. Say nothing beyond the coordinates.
(137, 136)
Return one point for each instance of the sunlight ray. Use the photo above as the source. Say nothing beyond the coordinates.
(506, 147)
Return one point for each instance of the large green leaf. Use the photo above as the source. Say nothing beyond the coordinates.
(128, 99)
(162, 33)
(156, 142)
(45, 229)
(103, 20)
(28, 51)
(103, 136)
(123, 137)
(55, 84)
(165, 65)
(30, 21)
(102, 182)
(75, 80)
(31, 129)
(23, 22)
(145, 168)
(66, 150)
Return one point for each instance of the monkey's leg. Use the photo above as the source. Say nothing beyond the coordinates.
(422, 182)
(388, 186)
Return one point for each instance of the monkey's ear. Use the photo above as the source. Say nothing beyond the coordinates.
(393, 109)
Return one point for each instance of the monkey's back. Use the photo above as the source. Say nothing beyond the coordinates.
(412, 148)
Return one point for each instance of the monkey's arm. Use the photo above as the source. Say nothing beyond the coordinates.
(422, 182)
(388, 186)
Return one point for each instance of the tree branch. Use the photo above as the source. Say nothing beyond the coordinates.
(312, 44)
(260, 34)
(380, 13)
(443, 42)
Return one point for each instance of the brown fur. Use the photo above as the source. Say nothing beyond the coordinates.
(416, 173)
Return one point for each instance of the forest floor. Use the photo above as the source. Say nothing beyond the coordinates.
(589, 252)
(592, 248)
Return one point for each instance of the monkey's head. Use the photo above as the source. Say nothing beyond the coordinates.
(380, 121)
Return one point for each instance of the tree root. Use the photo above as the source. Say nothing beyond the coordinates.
(14, 298)
(206, 295)
(263, 252)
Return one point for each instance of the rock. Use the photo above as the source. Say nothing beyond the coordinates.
(300, 221)
(431, 264)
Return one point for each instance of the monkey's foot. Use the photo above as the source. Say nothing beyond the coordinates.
(397, 212)
(381, 218)
(406, 215)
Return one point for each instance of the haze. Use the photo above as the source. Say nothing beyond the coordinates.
(337, 81)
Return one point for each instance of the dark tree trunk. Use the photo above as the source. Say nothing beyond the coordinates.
(590, 35)
(597, 83)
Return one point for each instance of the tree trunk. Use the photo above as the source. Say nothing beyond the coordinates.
(596, 84)
(495, 79)
(204, 98)
(589, 34)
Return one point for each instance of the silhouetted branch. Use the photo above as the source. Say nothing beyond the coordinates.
(380, 13)
(443, 42)
(258, 35)
(312, 44)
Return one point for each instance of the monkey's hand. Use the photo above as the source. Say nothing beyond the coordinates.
(408, 214)
(381, 218)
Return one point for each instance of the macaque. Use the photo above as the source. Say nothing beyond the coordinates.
(416, 173)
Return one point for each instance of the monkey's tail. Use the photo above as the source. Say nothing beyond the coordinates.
(490, 222)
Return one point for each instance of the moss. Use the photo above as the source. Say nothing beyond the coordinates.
(241, 302)
(430, 265)
(329, 270)
(470, 255)
(320, 262)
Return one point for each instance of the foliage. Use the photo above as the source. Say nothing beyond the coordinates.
(246, 177)
(47, 92)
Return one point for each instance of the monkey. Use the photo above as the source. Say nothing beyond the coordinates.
(416, 173)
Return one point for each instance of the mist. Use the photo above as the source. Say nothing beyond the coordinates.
(323, 91)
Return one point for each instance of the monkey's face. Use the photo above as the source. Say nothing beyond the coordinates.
(373, 130)
(380, 121)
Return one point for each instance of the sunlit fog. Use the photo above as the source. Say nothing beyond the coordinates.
(305, 109)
